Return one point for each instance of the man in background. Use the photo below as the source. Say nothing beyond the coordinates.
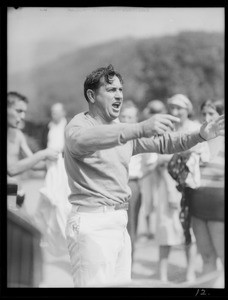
(20, 158)
(53, 133)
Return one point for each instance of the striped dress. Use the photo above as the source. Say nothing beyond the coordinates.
(207, 202)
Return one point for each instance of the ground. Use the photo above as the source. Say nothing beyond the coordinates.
(56, 269)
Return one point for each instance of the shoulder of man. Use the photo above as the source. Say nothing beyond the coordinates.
(81, 120)
(20, 135)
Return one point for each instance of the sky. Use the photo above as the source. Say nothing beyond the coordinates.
(36, 35)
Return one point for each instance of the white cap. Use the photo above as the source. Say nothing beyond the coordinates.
(182, 101)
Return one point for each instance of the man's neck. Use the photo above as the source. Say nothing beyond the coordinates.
(99, 119)
(12, 132)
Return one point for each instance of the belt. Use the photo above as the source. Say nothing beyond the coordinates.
(102, 208)
(134, 179)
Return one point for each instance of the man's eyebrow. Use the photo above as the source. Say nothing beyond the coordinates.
(110, 85)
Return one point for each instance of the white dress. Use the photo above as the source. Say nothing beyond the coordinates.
(149, 182)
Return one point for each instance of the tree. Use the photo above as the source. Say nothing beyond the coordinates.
(190, 63)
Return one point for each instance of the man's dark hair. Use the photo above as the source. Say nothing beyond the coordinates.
(93, 80)
(12, 97)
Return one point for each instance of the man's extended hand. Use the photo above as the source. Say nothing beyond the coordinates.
(212, 129)
(159, 124)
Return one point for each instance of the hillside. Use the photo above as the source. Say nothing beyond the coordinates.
(152, 68)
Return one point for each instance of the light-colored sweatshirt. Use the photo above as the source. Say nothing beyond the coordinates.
(97, 161)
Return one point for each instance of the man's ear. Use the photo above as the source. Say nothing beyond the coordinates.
(91, 95)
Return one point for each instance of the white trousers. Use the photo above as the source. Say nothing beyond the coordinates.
(99, 247)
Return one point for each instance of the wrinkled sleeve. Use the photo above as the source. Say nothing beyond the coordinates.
(82, 141)
(167, 143)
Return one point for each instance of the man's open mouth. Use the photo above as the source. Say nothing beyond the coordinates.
(116, 105)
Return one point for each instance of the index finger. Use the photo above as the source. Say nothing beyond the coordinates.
(220, 118)
(172, 118)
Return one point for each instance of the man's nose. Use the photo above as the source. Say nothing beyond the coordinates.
(207, 118)
(22, 115)
(119, 94)
(174, 112)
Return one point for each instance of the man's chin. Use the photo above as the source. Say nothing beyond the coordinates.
(13, 126)
(114, 115)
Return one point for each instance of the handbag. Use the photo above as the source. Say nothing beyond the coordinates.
(179, 171)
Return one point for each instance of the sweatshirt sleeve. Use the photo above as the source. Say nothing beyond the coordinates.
(167, 143)
(84, 139)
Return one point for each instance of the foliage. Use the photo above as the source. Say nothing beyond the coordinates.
(190, 63)
(154, 68)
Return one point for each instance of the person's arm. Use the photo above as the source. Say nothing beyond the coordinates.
(15, 167)
(27, 152)
(11, 180)
(81, 141)
(174, 142)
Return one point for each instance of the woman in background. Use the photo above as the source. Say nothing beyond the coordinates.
(207, 202)
(169, 231)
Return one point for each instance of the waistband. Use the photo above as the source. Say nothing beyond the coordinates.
(99, 209)
(134, 179)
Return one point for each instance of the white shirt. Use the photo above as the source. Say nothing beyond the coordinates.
(135, 167)
(56, 135)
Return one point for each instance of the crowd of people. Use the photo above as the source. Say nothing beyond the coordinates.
(107, 163)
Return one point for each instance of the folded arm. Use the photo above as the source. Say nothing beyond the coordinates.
(27, 152)
(30, 160)
(15, 167)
